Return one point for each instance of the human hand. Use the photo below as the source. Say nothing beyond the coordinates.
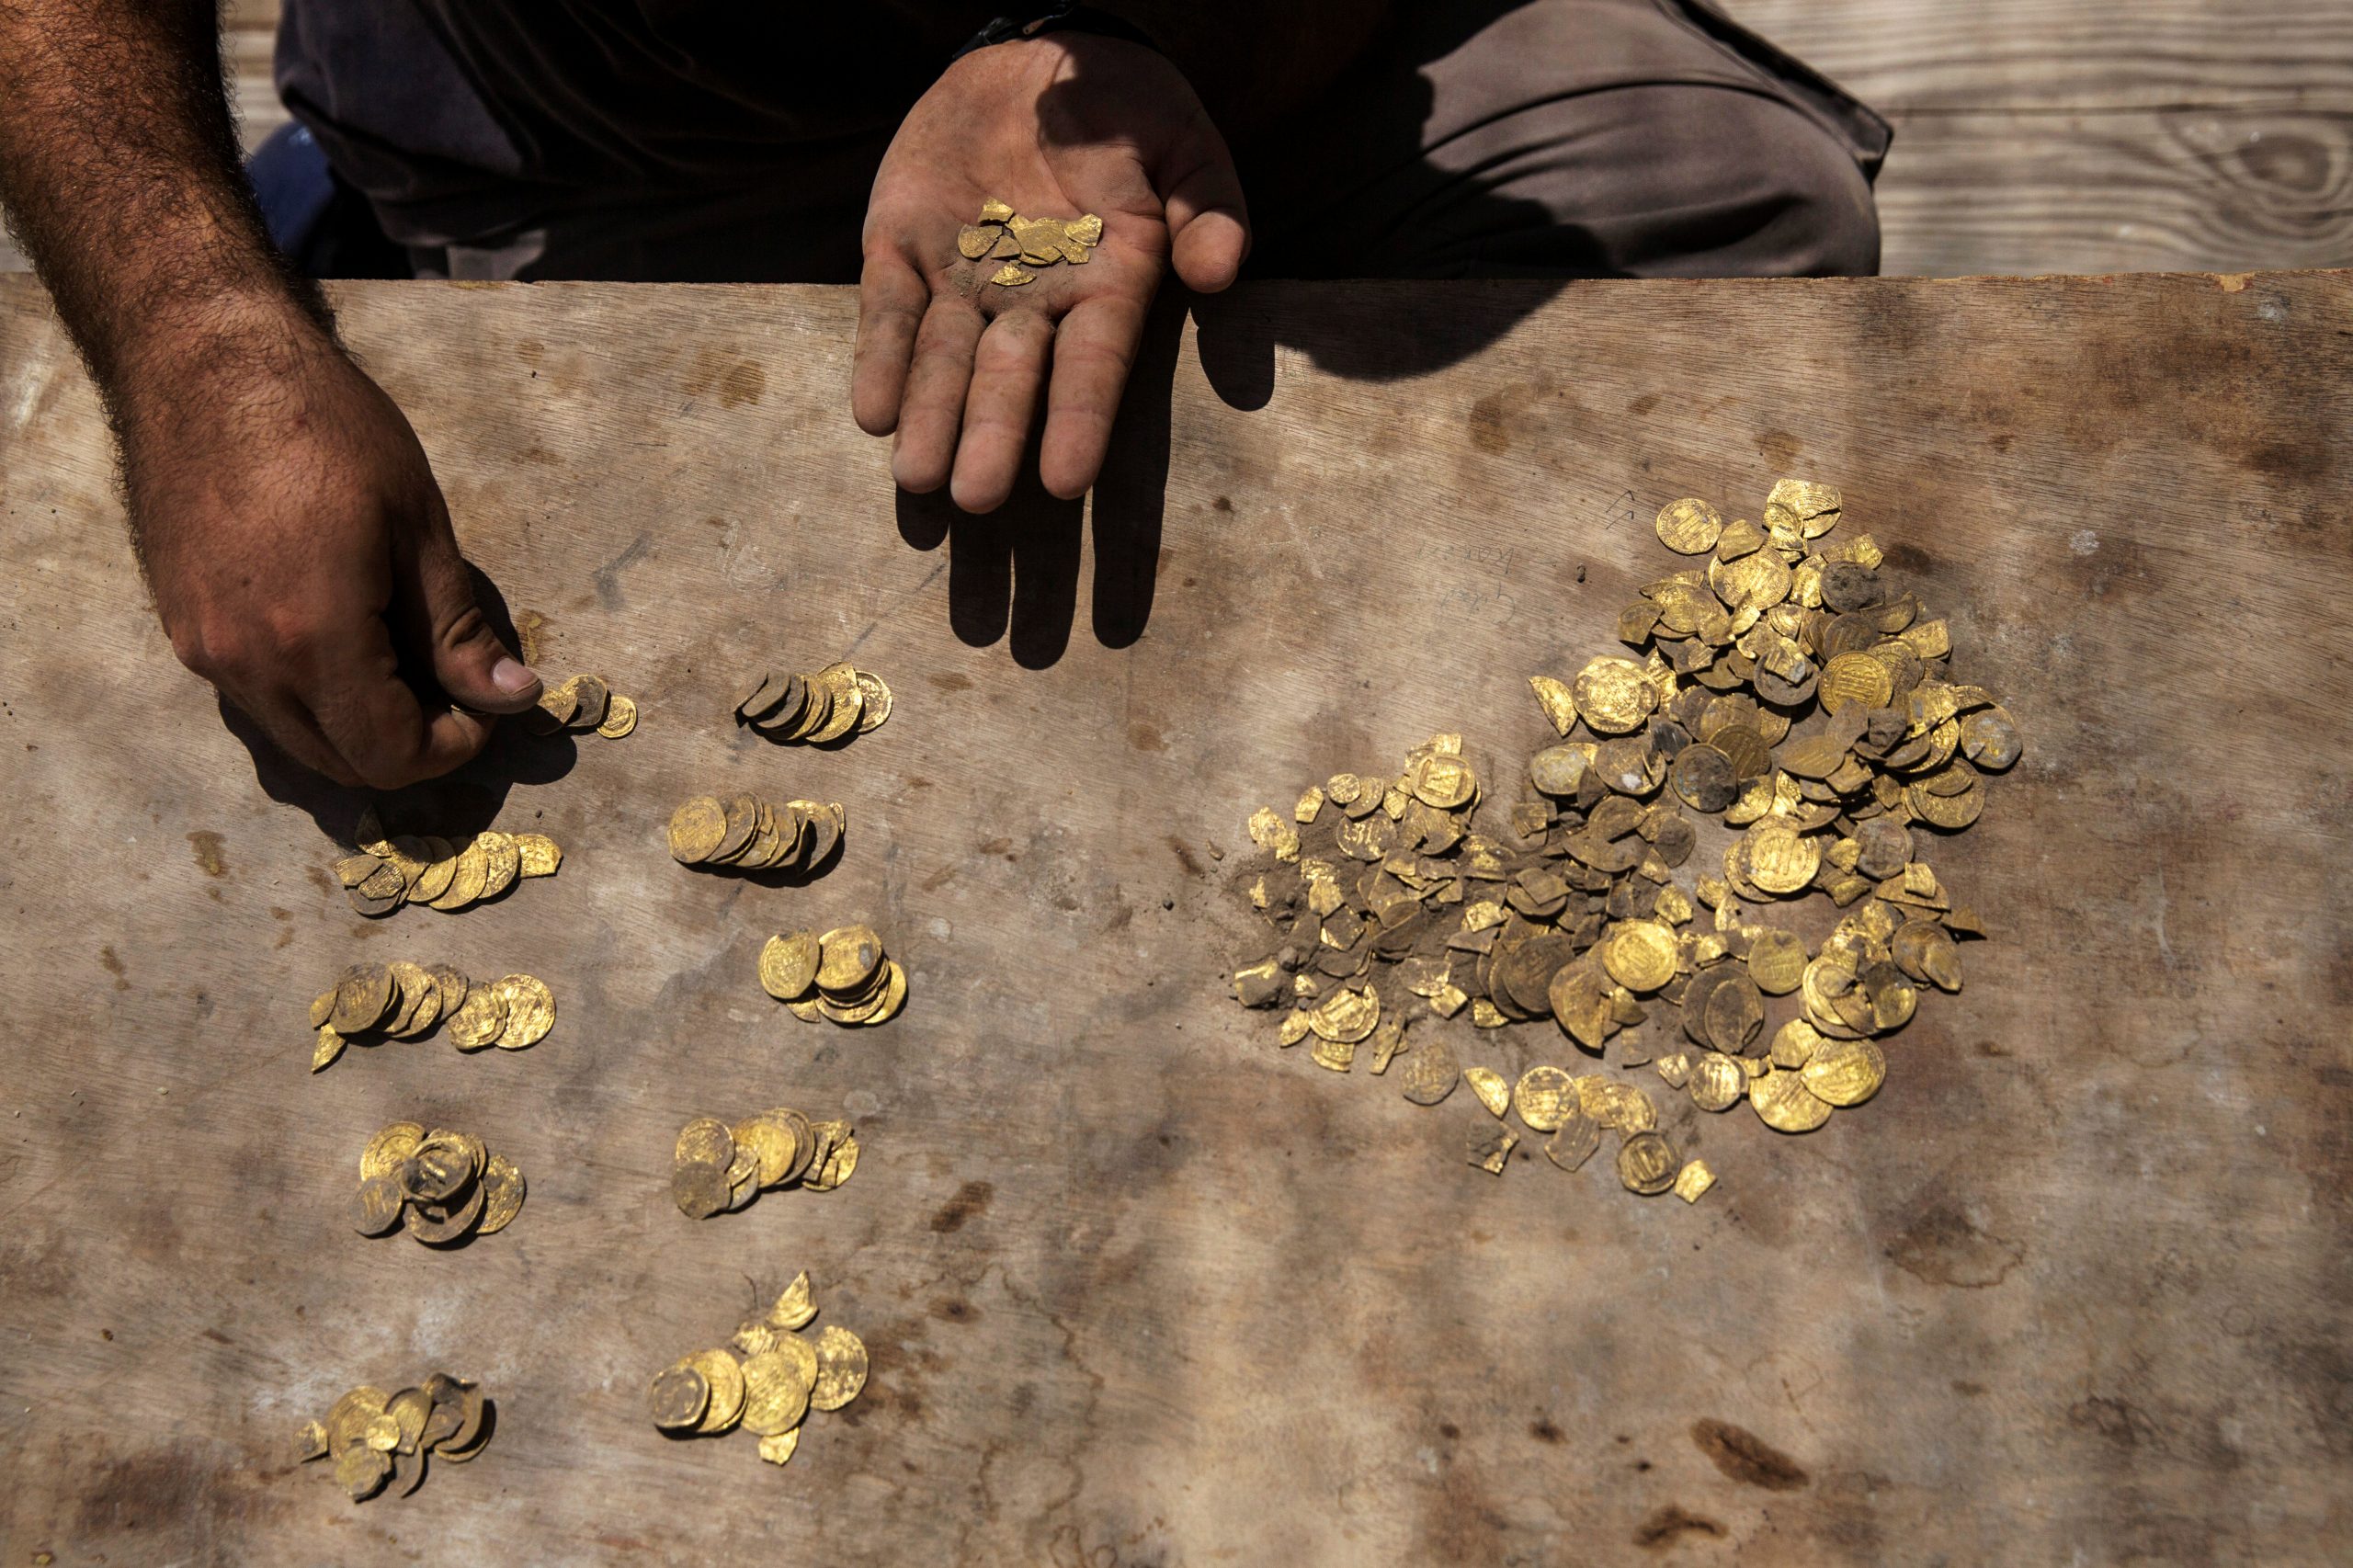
(300, 554)
(1058, 126)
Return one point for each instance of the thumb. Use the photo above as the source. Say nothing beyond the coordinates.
(1208, 226)
(475, 667)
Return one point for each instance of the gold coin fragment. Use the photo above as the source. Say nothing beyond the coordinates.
(1490, 1087)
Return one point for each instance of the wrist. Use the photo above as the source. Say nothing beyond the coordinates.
(212, 350)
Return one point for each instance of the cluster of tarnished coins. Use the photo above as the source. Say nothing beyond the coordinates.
(1004, 236)
(843, 976)
(437, 872)
(376, 1438)
(1794, 696)
(584, 704)
(766, 1379)
(831, 706)
(441, 1187)
(717, 1168)
(370, 1002)
(745, 833)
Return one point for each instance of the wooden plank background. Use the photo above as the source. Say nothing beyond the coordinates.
(2033, 136)
(1141, 1289)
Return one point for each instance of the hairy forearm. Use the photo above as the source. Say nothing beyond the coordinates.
(118, 168)
(1249, 64)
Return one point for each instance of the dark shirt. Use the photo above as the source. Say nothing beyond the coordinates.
(461, 118)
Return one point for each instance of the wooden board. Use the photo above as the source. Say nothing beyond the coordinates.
(1140, 1288)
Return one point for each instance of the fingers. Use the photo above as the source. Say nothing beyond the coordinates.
(371, 718)
(891, 297)
(932, 411)
(1094, 351)
(474, 666)
(1007, 368)
(1209, 224)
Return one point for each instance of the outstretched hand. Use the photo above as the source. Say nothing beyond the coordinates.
(1058, 126)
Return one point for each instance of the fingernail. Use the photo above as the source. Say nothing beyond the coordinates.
(512, 677)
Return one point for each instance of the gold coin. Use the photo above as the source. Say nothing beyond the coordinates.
(1573, 1144)
(677, 1396)
(363, 998)
(1845, 1071)
(778, 1448)
(1716, 1082)
(800, 1353)
(1780, 860)
(841, 1368)
(1445, 782)
(329, 1047)
(1795, 1043)
(1777, 961)
(1641, 955)
(620, 717)
(1491, 1148)
(848, 957)
(503, 1188)
(1431, 1073)
(1756, 581)
(453, 986)
(840, 1161)
(793, 1309)
(697, 829)
(1802, 507)
(480, 1021)
(1692, 1180)
(502, 862)
(775, 1397)
(972, 242)
(1545, 1097)
(1559, 704)
(877, 695)
(361, 1471)
(725, 1378)
(1784, 1104)
(789, 965)
(1489, 1085)
(1345, 1016)
(468, 881)
(1689, 527)
(390, 1149)
(1620, 1106)
(771, 1144)
(1647, 1164)
(376, 1205)
(705, 1140)
(840, 682)
(537, 854)
(1855, 681)
(1613, 695)
(530, 1011)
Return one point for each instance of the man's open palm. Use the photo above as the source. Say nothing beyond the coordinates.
(1057, 127)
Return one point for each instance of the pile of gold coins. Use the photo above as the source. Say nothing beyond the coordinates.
(443, 1186)
(374, 1002)
(436, 872)
(583, 704)
(1792, 693)
(766, 1379)
(1001, 234)
(745, 833)
(843, 976)
(831, 705)
(375, 1438)
(718, 1169)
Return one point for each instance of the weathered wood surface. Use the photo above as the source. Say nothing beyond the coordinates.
(1140, 1288)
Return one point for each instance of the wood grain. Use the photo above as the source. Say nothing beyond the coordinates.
(1140, 1288)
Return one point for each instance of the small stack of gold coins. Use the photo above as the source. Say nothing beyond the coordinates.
(745, 833)
(1001, 234)
(719, 1168)
(766, 1379)
(843, 976)
(400, 1000)
(443, 1186)
(583, 704)
(376, 1437)
(832, 705)
(436, 872)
